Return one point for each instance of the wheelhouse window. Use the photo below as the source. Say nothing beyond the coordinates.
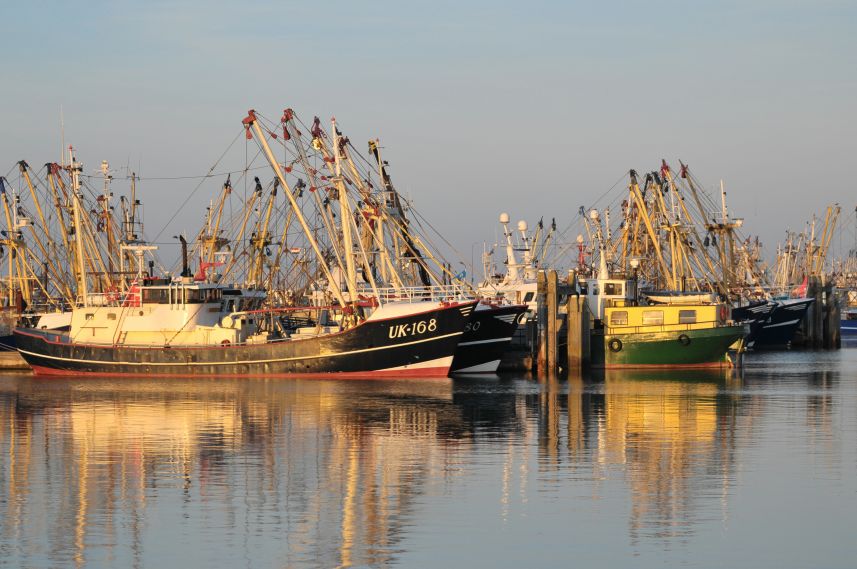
(653, 317)
(192, 296)
(529, 296)
(200, 296)
(619, 318)
(156, 296)
(687, 316)
(613, 289)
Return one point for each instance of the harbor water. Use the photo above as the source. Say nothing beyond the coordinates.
(756, 468)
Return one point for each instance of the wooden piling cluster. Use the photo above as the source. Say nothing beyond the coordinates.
(821, 327)
(563, 324)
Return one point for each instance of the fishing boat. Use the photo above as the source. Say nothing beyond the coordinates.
(665, 329)
(181, 328)
(659, 335)
(195, 325)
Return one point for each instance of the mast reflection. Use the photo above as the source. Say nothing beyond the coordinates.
(333, 473)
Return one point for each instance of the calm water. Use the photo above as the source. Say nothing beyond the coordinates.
(629, 469)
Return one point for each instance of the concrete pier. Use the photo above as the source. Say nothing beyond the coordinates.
(12, 360)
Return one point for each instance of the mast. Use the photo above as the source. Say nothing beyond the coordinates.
(251, 122)
(511, 262)
(345, 214)
(76, 168)
(48, 259)
(107, 218)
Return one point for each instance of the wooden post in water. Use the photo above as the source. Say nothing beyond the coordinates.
(552, 324)
(541, 321)
(836, 322)
(818, 314)
(832, 318)
(808, 325)
(574, 333)
(586, 333)
(574, 326)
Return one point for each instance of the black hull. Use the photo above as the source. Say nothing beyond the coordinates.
(486, 337)
(779, 330)
(755, 315)
(7, 343)
(412, 345)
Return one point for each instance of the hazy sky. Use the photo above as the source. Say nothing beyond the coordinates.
(534, 108)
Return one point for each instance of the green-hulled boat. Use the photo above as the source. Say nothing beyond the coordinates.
(660, 335)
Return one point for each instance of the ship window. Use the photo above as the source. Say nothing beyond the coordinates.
(89, 316)
(156, 296)
(619, 318)
(653, 317)
(687, 316)
(529, 296)
(193, 296)
(111, 316)
(614, 289)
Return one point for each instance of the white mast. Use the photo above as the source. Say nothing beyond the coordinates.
(76, 168)
(511, 262)
(345, 216)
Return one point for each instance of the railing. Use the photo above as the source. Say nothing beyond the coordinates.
(661, 327)
(130, 298)
(424, 293)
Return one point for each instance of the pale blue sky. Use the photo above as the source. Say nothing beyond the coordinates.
(531, 107)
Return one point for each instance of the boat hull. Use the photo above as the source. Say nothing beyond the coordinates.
(486, 338)
(779, 329)
(848, 327)
(680, 348)
(418, 344)
(755, 315)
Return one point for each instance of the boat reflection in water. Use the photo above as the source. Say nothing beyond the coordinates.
(330, 470)
(665, 426)
(324, 473)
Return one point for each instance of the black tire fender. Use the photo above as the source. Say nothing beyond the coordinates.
(615, 345)
(684, 340)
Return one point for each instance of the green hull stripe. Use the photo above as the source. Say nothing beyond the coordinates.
(695, 348)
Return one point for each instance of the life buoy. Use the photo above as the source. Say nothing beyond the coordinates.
(615, 345)
(225, 343)
(723, 313)
(684, 340)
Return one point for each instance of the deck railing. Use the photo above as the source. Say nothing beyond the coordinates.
(700, 325)
(424, 293)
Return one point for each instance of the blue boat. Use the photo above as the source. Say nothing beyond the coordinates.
(848, 325)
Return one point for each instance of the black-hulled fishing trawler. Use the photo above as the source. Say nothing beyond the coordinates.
(180, 329)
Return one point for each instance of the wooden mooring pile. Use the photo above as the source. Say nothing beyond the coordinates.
(558, 339)
(821, 327)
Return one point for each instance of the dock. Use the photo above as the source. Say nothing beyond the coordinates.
(12, 360)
